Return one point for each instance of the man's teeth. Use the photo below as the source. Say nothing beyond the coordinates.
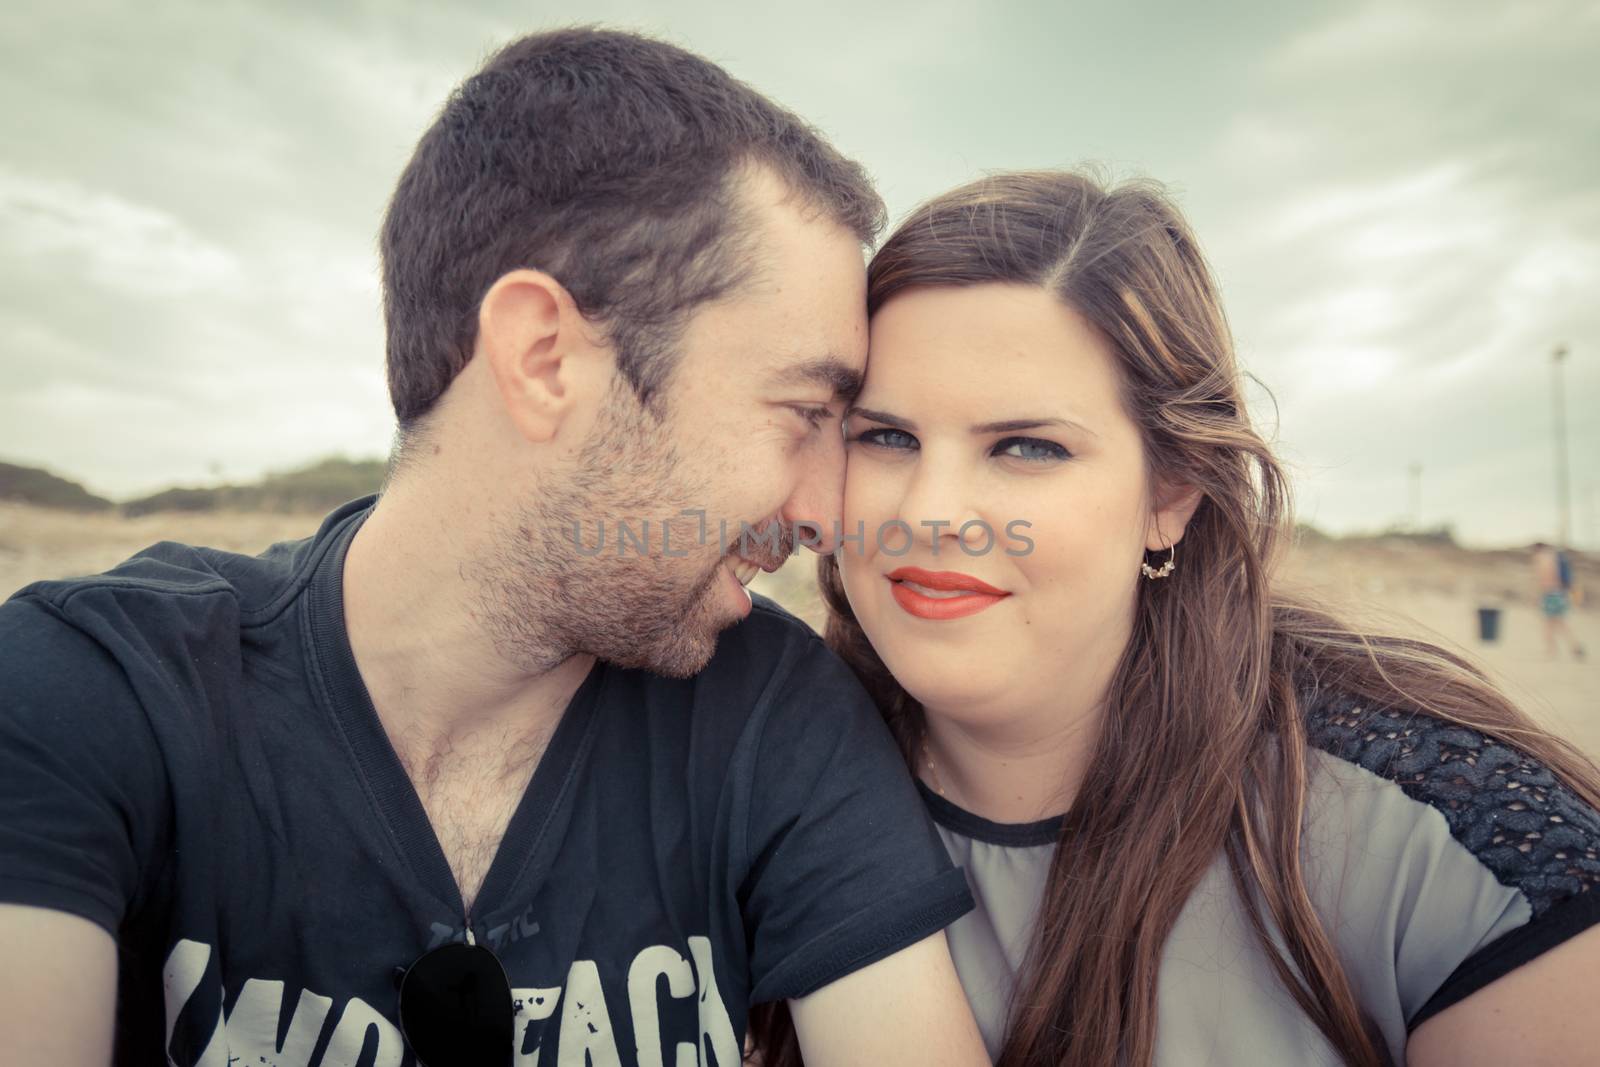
(744, 570)
(937, 594)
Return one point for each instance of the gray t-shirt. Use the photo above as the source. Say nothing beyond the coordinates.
(1437, 859)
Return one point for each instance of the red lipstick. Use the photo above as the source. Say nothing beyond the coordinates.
(974, 595)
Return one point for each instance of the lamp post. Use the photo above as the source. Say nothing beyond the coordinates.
(1416, 497)
(1563, 490)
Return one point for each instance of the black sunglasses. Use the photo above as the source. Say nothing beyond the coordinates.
(456, 1008)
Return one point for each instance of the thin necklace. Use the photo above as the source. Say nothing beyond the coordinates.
(933, 771)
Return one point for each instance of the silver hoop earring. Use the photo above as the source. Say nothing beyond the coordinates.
(1166, 568)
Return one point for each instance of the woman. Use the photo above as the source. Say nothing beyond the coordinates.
(1206, 821)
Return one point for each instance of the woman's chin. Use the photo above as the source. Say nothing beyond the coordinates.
(950, 683)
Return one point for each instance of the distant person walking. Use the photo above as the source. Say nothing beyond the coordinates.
(1552, 570)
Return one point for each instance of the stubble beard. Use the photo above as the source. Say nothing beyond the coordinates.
(544, 600)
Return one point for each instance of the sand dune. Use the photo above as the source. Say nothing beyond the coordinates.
(1427, 589)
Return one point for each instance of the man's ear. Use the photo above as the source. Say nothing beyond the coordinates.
(1174, 508)
(531, 333)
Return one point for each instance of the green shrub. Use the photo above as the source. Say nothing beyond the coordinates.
(30, 485)
(318, 488)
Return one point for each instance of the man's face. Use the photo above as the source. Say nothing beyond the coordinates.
(751, 436)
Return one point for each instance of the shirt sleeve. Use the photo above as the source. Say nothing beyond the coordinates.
(845, 865)
(1537, 837)
(82, 785)
(1463, 857)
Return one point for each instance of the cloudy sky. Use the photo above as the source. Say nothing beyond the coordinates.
(1402, 200)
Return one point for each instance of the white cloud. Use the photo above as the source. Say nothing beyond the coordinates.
(1409, 225)
(1384, 30)
(106, 239)
(1398, 195)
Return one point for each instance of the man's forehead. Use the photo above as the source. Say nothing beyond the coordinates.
(804, 290)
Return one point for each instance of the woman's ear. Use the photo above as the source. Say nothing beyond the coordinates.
(1174, 508)
(531, 335)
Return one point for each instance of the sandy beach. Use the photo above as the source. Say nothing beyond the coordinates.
(1421, 588)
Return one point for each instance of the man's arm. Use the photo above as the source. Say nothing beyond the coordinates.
(84, 808)
(58, 989)
(906, 1008)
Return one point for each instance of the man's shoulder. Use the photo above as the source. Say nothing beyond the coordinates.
(769, 645)
(770, 668)
(168, 597)
(771, 627)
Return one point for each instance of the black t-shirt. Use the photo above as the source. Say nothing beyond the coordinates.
(189, 758)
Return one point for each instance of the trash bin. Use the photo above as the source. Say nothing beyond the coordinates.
(1488, 624)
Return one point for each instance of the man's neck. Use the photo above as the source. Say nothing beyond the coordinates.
(430, 664)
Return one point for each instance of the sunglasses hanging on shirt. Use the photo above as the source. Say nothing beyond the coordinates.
(456, 1007)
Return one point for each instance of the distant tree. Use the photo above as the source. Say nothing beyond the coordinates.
(32, 485)
(319, 487)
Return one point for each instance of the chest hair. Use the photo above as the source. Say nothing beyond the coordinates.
(470, 789)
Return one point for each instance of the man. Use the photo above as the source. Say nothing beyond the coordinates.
(247, 800)
(1552, 575)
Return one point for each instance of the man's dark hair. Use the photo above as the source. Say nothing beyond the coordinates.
(607, 160)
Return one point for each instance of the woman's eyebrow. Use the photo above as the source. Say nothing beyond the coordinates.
(1003, 426)
(1013, 425)
(880, 416)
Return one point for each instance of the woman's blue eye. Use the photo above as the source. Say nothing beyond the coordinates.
(883, 437)
(1033, 449)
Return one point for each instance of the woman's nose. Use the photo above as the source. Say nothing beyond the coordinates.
(937, 503)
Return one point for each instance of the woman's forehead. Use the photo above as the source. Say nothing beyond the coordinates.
(988, 347)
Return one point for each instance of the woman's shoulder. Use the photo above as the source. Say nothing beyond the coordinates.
(1505, 806)
(1441, 849)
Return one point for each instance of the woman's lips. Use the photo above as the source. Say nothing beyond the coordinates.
(941, 594)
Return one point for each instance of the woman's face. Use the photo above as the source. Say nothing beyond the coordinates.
(945, 364)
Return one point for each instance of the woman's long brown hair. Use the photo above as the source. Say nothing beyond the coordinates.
(1221, 663)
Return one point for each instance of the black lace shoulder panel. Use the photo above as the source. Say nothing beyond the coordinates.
(1507, 808)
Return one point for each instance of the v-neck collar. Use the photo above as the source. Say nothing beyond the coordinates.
(532, 836)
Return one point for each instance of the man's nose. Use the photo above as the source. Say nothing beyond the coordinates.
(815, 507)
